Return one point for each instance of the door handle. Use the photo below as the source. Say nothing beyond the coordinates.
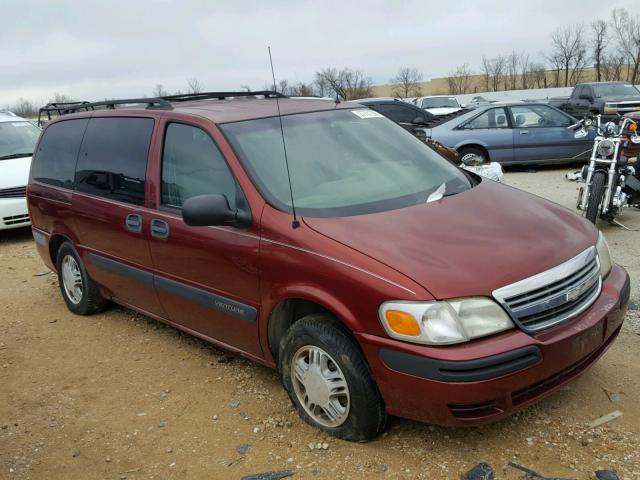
(524, 132)
(133, 222)
(159, 229)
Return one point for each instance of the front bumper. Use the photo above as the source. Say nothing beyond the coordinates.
(13, 213)
(485, 380)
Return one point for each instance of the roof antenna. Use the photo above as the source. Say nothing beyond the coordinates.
(295, 223)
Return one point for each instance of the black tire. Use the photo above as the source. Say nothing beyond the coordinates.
(366, 416)
(478, 152)
(90, 300)
(594, 199)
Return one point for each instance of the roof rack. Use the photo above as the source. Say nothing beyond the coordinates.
(221, 95)
(63, 108)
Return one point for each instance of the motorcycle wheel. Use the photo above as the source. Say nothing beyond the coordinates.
(596, 191)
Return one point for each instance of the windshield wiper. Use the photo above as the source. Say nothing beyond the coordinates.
(16, 155)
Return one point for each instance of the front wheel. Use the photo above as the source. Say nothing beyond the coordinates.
(328, 380)
(595, 197)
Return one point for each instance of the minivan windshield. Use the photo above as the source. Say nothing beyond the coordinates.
(616, 90)
(17, 139)
(342, 162)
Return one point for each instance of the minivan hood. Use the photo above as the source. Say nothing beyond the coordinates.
(14, 172)
(467, 244)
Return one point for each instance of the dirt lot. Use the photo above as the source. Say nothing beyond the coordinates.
(118, 396)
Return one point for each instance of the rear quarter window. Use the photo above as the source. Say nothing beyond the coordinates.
(54, 162)
(113, 158)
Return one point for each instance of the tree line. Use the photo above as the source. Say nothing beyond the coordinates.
(611, 47)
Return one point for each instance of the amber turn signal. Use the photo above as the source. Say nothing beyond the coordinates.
(402, 323)
(633, 127)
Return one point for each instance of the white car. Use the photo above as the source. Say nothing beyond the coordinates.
(439, 105)
(18, 139)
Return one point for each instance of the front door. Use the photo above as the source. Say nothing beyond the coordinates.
(491, 129)
(206, 277)
(540, 133)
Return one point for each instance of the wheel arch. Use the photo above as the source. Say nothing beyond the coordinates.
(289, 309)
(479, 146)
(55, 242)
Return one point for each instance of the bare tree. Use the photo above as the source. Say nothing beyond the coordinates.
(555, 62)
(513, 62)
(24, 108)
(357, 84)
(486, 68)
(498, 68)
(627, 30)
(193, 85)
(159, 91)
(61, 98)
(302, 89)
(459, 80)
(524, 62)
(539, 75)
(407, 82)
(346, 84)
(612, 67)
(493, 72)
(599, 40)
(569, 53)
(282, 87)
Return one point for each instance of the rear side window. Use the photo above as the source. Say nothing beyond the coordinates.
(55, 161)
(398, 113)
(492, 118)
(192, 165)
(113, 158)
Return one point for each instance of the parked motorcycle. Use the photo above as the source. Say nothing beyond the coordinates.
(610, 182)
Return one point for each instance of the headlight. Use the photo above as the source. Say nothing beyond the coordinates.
(444, 322)
(603, 254)
(605, 148)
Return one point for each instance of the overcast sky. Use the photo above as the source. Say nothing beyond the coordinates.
(92, 49)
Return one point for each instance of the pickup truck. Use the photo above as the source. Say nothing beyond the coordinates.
(606, 98)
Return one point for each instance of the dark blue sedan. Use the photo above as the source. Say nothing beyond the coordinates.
(515, 133)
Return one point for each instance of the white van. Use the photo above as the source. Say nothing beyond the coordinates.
(18, 138)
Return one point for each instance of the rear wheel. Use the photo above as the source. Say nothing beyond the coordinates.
(80, 292)
(594, 199)
(328, 381)
(473, 156)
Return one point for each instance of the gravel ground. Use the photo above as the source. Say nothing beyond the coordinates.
(118, 395)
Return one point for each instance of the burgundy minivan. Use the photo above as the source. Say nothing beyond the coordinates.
(399, 284)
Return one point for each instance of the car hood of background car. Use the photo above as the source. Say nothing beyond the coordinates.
(442, 110)
(14, 172)
(633, 98)
(466, 244)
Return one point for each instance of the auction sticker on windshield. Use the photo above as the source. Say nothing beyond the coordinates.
(367, 113)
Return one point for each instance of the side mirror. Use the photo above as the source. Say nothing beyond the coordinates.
(420, 120)
(212, 210)
(463, 105)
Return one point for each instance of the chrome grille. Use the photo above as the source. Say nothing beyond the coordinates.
(553, 296)
(14, 192)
